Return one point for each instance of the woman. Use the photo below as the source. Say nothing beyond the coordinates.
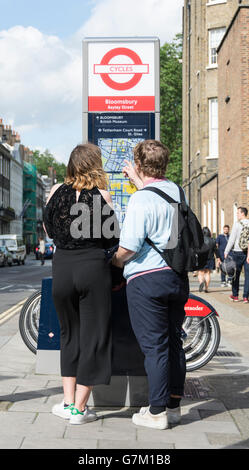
(204, 275)
(80, 219)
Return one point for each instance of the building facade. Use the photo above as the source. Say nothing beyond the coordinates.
(40, 204)
(205, 23)
(10, 178)
(233, 92)
(16, 189)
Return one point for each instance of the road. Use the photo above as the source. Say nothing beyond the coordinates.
(19, 282)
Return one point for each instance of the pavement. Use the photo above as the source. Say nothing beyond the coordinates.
(215, 408)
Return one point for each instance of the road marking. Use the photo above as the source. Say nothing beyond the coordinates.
(4, 316)
(6, 287)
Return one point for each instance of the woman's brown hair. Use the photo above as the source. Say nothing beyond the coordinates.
(85, 169)
(152, 157)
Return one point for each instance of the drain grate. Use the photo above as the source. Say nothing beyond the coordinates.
(194, 388)
(228, 354)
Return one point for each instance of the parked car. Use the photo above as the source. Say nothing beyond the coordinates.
(49, 251)
(6, 257)
(15, 245)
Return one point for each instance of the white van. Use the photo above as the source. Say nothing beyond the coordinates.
(16, 245)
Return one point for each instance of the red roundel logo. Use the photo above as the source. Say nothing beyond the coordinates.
(136, 68)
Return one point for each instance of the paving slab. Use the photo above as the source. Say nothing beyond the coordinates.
(215, 410)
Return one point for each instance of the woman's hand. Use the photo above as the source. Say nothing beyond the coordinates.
(130, 172)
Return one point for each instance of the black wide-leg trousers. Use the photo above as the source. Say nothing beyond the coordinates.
(82, 299)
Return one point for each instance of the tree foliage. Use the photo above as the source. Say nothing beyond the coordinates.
(43, 161)
(171, 104)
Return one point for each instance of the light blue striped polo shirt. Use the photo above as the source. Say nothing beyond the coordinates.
(148, 214)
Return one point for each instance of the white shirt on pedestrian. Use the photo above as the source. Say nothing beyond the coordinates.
(233, 242)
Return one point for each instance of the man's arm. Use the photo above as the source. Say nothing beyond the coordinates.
(231, 240)
(121, 256)
(133, 232)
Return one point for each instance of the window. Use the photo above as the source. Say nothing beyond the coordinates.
(213, 128)
(216, 2)
(204, 215)
(222, 219)
(235, 208)
(214, 216)
(209, 216)
(215, 37)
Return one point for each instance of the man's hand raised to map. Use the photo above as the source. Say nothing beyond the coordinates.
(129, 171)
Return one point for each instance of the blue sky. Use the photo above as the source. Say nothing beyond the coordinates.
(41, 60)
(53, 17)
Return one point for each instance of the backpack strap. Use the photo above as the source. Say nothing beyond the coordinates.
(168, 199)
(160, 193)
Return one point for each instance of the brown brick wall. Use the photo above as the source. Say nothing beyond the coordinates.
(203, 85)
(233, 82)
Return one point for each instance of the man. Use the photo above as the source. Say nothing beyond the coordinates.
(239, 256)
(156, 294)
(42, 250)
(221, 243)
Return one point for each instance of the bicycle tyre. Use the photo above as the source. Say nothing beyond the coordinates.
(28, 331)
(201, 356)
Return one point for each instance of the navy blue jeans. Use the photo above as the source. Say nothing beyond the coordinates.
(156, 307)
(240, 260)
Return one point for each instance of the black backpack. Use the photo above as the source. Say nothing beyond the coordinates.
(190, 252)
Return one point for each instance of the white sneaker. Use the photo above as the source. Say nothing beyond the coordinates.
(174, 415)
(82, 417)
(62, 411)
(145, 418)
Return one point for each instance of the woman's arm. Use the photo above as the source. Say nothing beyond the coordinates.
(47, 222)
(107, 196)
(52, 191)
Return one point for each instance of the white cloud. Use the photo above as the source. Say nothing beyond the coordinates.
(40, 78)
(41, 75)
(161, 18)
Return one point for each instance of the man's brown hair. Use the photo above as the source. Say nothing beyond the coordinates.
(151, 157)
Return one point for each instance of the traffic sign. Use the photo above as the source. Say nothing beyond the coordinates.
(106, 68)
(121, 75)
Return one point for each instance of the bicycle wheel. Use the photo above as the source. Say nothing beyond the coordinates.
(201, 341)
(29, 321)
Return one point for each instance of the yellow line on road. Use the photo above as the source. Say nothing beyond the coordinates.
(4, 316)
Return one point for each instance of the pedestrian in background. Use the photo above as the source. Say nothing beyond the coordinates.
(82, 279)
(156, 294)
(221, 243)
(239, 256)
(42, 249)
(204, 275)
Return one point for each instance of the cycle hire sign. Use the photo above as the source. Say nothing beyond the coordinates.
(121, 76)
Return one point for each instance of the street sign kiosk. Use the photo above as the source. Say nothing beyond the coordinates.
(121, 107)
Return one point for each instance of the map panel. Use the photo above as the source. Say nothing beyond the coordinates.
(117, 134)
(115, 151)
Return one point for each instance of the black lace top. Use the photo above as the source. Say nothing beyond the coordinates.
(88, 222)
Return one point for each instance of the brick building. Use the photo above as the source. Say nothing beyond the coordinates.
(233, 92)
(205, 24)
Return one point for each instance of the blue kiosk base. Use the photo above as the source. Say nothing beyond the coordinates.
(128, 385)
